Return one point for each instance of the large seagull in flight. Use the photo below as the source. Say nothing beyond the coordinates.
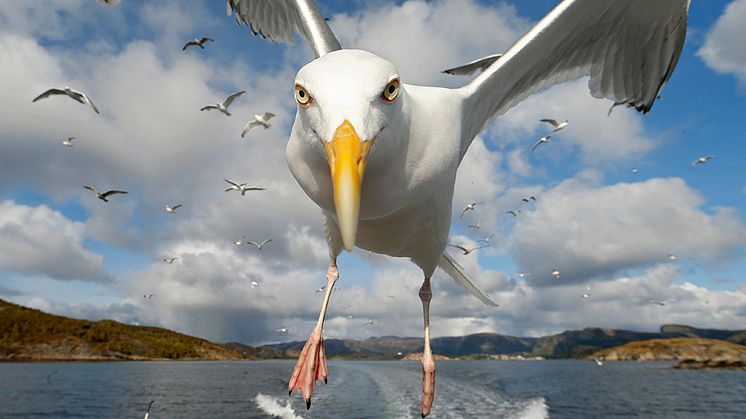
(356, 119)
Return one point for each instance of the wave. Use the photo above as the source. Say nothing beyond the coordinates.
(534, 409)
(274, 407)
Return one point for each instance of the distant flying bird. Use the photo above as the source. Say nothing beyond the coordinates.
(556, 273)
(523, 274)
(147, 412)
(73, 94)
(598, 362)
(369, 322)
(476, 226)
(68, 142)
(486, 239)
(469, 207)
(412, 138)
(223, 106)
(103, 195)
(525, 200)
(282, 329)
(240, 241)
(241, 187)
(259, 245)
(197, 42)
(557, 125)
(477, 65)
(173, 209)
(148, 296)
(465, 250)
(254, 284)
(587, 293)
(318, 290)
(259, 121)
(671, 256)
(659, 302)
(513, 213)
(701, 160)
(634, 170)
(114, 3)
(170, 260)
(543, 140)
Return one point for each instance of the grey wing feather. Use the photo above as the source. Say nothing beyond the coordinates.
(232, 97)
(472, 66)
(628, 48)
(279, 20)
(48, 93)
(267, 115)
(455, 271)
(112, 192)
(90, 102)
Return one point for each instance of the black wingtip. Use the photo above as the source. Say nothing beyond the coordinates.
(308, 403)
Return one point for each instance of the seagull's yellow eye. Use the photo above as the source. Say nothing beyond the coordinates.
(390, 91)
(301, 95)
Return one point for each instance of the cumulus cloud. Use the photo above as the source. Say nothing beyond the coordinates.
(41, 241)
(723, 49)
(585, 230)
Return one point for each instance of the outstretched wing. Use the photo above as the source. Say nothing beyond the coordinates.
(232, 97)
(278, 20)
(472, 66)
(267, 116)
(628, 48)
(88, 100)
(112, 192)
(48, 93)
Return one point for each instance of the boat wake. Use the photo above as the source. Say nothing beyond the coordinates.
(274, 407)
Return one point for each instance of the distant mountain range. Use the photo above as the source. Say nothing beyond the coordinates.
(31, 335)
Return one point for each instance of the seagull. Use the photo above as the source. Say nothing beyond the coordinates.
(173, 209)
(465, 250)
(259, 120)
(598, 362)
(659, 302)
(147, 412)
(530, 198)
(543, 140)
(523, 274)
(197, 42)
(170, 260)
(557, 125)
(477, 65)
(357, 119)
(254, 284)
(240, 241)
(671, 256)
(148, 296)
(513, 213)
(556, 273)
(701, 160)
(486, 239)
(73, 94)
(476, 226)
(103, 195)
(320, 289)
(241, 187)
(634, 170)
(114, 3)
(68, 142)
(369, 322)
(587, 293)
(259, 245)
(223, 106)
(282, 329)
(469, 207)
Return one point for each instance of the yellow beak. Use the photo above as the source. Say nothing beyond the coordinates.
(347, 156)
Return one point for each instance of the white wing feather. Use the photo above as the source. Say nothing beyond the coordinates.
(278, 20)
(628, 48)
(455, 271)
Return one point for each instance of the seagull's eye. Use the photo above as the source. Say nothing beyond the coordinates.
(390, 91)
(301, 95)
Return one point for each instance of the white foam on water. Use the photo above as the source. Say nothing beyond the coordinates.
(534, 409)
(274, 407)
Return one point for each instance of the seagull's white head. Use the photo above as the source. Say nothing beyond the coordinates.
(351, 111)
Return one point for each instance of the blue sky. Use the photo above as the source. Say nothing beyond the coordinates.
(601, 224)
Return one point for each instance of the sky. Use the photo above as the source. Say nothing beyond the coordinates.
(615, 195)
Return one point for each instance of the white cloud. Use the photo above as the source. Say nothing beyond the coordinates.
(41, 241)
(586, 230)
(723, 50)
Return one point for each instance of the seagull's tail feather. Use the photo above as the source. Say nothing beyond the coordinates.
(452, 268)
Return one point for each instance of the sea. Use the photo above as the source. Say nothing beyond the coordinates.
(369, 389)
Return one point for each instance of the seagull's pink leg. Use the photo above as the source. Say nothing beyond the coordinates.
(311, 365)
(428, 363)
